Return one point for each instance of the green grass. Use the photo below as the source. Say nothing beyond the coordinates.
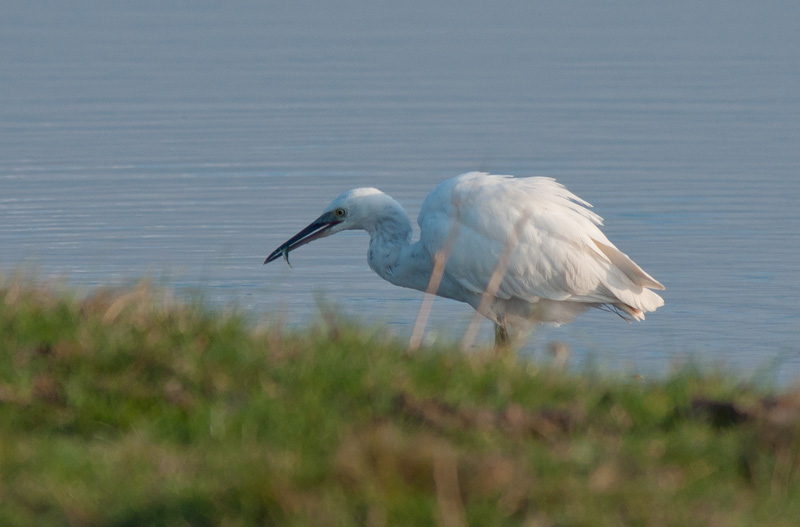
(126, 408)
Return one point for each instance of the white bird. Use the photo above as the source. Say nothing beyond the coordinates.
(541, 242)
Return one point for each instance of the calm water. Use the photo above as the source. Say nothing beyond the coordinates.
(186, 142)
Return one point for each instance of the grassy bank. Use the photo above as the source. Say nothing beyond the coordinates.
(125, 408)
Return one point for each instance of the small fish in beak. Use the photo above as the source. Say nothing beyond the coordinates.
(319, 228)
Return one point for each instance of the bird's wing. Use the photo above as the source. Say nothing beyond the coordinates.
(554, 247)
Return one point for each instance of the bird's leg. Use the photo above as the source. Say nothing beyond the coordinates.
(502, 342)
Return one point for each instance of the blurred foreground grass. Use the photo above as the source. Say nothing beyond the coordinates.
(126, 408)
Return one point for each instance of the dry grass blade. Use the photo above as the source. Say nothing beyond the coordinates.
(439, 264)
(494, 282)
(448, 493)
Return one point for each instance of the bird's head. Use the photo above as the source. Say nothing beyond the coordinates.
(354, 209)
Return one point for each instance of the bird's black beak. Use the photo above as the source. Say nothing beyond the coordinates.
(319, 228)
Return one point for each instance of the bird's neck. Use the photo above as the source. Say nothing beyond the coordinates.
(389, 237)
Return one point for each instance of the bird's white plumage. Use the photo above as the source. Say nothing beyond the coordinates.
(559, 263)
(560, 253)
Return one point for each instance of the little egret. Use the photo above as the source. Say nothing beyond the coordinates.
(520, 251)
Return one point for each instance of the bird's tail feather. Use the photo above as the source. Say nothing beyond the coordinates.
(623, 262)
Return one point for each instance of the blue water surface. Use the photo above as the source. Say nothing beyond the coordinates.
(186, 140)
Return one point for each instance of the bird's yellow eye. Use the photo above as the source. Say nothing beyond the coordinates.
(340, 213)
